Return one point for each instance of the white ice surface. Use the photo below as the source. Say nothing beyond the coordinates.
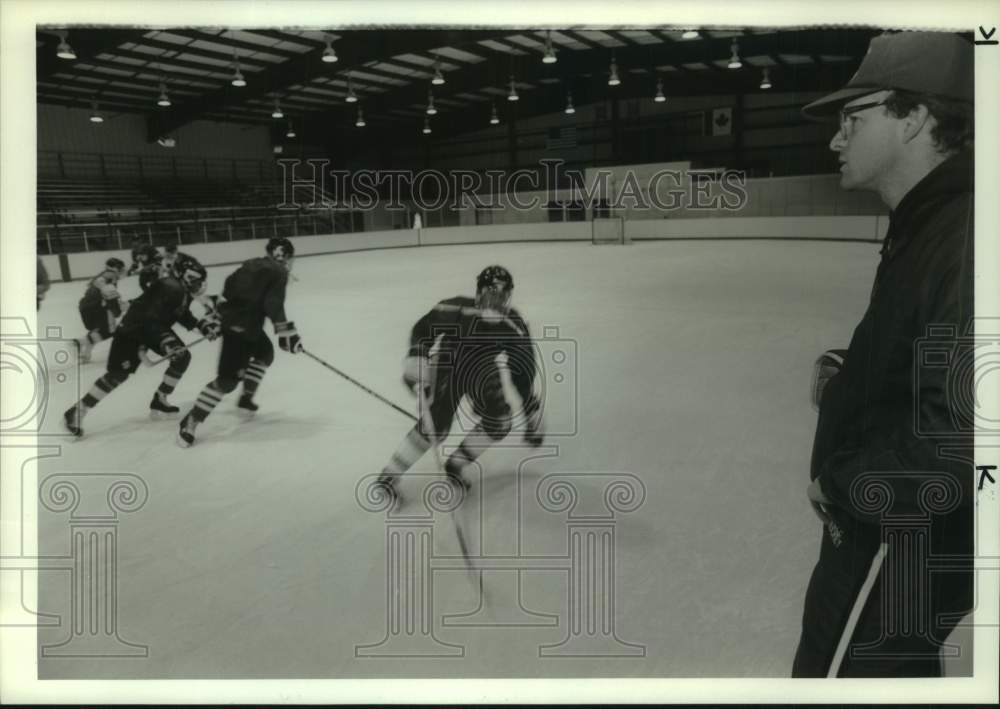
(252, 558)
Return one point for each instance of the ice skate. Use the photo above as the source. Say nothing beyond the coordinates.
(387, 486)
(159, 407)
(246, 406)
(185, 432)
(73, 420)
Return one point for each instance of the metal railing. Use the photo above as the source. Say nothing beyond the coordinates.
(104, 235)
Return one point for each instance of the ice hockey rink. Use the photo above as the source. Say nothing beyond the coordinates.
(684, 366)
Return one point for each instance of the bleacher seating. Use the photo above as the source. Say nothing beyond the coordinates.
(75, 215)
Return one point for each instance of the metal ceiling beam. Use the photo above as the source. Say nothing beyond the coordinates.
(354, 49)
(85, 43)
(595, 62)
(826, 77)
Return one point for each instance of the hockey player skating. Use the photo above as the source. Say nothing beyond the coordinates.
(252, 293)
(454, 351)
(143, 256)
(170, 254)
(148, 262)
(100, 307)
(147, 325)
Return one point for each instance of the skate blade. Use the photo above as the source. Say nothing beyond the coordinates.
(245, 415)
(182, 443)
(163, 415)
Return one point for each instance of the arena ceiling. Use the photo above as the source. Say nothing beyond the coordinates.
(391, 72)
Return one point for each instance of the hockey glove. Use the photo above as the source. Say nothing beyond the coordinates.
(534, 431)
(210, 328)
(288, 337)
(828, 365)
(418, 373)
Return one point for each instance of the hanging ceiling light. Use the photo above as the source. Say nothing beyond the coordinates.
(550, 54)
(329, 55)
(427, 126)
(659, 98)
(360, 122)
(438, 76)
(512, 95)
(494, 118)
(64, 51)
(430, 103)
(734, 61)
(351, 96)
(765, 83)
(613, 79)
(163, 100)
(690, 34)
(277, 112)
(95, 114)
(291, 131)
(238, 79)
(569, 104)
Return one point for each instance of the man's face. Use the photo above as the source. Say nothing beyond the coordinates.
(867, 141)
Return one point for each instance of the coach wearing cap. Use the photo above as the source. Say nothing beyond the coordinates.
(892, 463)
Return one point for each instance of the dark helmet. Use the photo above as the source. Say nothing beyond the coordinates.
(494, 286)
(494, 275)
(170, 248)
(115, 264)
(280, 249)
(189, 272)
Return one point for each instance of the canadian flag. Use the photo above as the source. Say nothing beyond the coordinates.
(722, 121)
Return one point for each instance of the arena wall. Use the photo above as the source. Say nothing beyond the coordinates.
(863, 228)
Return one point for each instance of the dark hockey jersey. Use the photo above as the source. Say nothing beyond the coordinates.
(144, 256)
(155, 311)
(253, 292)
(98, 291)
(148, 275)
(468, 339)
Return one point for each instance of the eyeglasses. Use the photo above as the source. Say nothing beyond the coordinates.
(846, 125)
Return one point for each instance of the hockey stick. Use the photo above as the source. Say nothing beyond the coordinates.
(859, 605)
(154, 362)
(358, 384)
(427, 421)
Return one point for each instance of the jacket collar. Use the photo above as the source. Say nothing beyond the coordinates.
(953, 176)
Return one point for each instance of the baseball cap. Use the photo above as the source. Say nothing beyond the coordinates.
(936, 63)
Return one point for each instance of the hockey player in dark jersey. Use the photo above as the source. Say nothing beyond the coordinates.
(454, 351)
(147, 261)
(143, 255)
(252, 293)
(100, 307)
(147, 325)
(170, 254)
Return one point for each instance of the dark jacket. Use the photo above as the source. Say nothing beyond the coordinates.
(471, 340)
(153, 313)
(253, 292)
(898, 404)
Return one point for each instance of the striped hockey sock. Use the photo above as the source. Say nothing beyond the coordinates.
(207, 400)
(412, 447)
(252, 377)
(102, 387)
(471, 447)
(170, 379)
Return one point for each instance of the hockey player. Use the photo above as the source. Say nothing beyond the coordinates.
(147, 261)
(454, 351)
(170, 254)
(147, 325)
(252, 293)
(100, 307)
